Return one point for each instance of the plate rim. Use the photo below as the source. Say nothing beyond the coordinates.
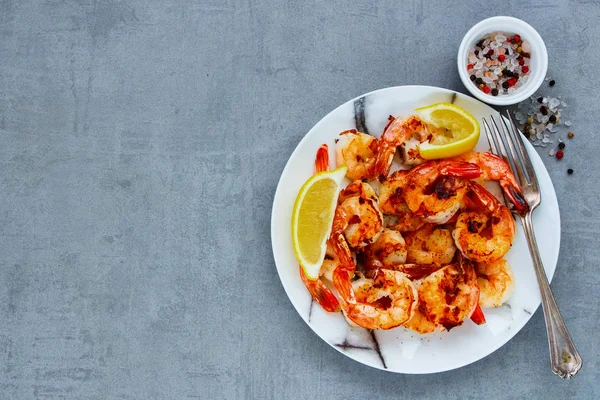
(278, 194)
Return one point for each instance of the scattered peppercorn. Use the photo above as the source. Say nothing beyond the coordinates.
(494, 92)
(559, 154)
(570, 135)
(552, 82)
(540, 99)
(561, 145)
(544, 110)
(570, 171)
(552, 118)
(472, 78)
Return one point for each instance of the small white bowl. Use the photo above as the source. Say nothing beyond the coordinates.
(538, 62)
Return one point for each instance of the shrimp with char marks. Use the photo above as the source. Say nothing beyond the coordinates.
(435, 189)
(496, 283)
(495, 168)
(398, 132)
(358, 151)
(385, 301)
(391, 201)
(430, 245)
(485, 235)
(388, 251)
(449, 295)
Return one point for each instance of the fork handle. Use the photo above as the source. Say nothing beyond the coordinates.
(565, 360)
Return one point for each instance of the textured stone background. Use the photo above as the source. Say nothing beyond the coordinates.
(141, 144)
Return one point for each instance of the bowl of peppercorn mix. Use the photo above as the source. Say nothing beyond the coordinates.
(502, 60)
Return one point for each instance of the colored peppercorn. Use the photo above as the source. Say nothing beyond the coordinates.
(544, 110)
(517, 38)
(521, 61)
(470, 67)
(490, 52)
(486, 89)
(478, 81)
(501, 57)
(552, 118)
(526, 55)
(561, 145)
(559, 154)
(570, 171)
(505, 85)
(525, 69)
(552, 82)
(540, 99)
(570, 135)
(472, 78)
(512, 81)
(494, 92)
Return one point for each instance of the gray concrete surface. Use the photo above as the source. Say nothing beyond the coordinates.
(141, 143)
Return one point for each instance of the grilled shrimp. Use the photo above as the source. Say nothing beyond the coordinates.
(430, 245)
(435, 189)
(385, 301)
(358, 215)
(388, 251)
(391, 201)
(358, 152)
(420, 324)
(488, 234)
(495, 168)
(397, 133)
(449, 295)
(496, 283)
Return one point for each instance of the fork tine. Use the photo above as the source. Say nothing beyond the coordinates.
(494, 146)
(524, 156)
(514, 160)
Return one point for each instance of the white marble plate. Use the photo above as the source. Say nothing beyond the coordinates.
(400, 350)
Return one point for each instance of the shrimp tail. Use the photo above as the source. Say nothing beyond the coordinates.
(485, 198)
(461, 169)
(322, 159)
(515, 196)
(478, 316)
(321, 293)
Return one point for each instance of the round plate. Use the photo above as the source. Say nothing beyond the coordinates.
(401, 350)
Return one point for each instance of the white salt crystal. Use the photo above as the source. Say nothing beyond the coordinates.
(500, 38)
(567, 122)
(539, 135)
(551, 152)
(472, 58)
(526, 46)
(551, 128)
(553, 103)
(545, 119)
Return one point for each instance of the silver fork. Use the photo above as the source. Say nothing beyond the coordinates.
(505, 139)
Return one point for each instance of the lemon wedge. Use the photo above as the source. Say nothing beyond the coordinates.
(458, 131)
(312, 218)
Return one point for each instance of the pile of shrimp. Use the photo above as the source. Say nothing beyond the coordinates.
(423, 247)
